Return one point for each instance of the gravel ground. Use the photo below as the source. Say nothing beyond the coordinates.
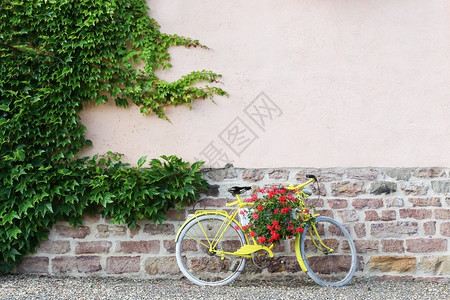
(38, 287)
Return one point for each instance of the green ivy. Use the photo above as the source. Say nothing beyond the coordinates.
(56, 55)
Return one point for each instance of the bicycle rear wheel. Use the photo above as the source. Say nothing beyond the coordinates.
(332, 262)
(198, 263)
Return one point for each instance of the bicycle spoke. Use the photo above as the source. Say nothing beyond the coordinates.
(328, 252)
(199, 261)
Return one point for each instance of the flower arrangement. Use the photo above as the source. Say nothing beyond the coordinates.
(272, 218)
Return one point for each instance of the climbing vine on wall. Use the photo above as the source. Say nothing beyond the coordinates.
(56, 55)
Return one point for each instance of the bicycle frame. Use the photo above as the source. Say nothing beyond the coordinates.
(244, 251)
(250, 248)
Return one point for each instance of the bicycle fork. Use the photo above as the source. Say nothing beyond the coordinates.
(315, 237)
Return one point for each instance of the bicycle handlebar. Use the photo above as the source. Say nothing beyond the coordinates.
(300, 186)
(241, 203)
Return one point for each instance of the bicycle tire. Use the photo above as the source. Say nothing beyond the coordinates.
(196, 262)
(329, 269)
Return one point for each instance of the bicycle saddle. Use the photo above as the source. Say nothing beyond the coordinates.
(236, 190)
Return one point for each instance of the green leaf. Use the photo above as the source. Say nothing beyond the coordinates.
(20, 154)
(13, 232)
(141, 161)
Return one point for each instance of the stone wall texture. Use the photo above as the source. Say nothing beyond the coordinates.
(399, 219)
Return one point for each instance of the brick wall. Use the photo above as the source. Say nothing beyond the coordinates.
(399, 219)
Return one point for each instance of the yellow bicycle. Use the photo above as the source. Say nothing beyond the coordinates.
(211, 247)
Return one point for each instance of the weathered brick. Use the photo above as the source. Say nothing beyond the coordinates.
(347, 188)
(394, 230)
(360, 230)
(279, 174)
(322, 191)
(105, 231)
(253, 175)
(399, 174)
(414, 188)
(325, 213)
(424, 202)
(212, 202)
(169, 245)
(33, 265)
(415, 213)
(372, 215)
(162, 266)
(382, 187)
(436, 264)
(316, 202)
(388, 215)
(221, 174)
(394, 202)
(69, 231)
(444, 228)
(164, 229)
(393, 246)
(430, 173)
(442, 213)
(93, 247)
(421, 245)
(322, 175)
(123, 264)
(54, 247)
(362, 174)
(337, 203)
(397, 264)
(212, 191)
(291, 264)
(367, 203)
(348, 215)
(175, 215)
(429, 228)
(81, 264)
(135, 231)
(139, 246)
(441, 186)
(365, 246)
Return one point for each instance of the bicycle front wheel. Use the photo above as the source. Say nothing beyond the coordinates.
(197, 246)
(328, 252)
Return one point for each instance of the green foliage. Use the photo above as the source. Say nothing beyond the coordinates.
(56, 55)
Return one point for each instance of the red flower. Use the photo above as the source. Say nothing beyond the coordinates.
(284, 210)
(236, 228)
(269, 227)
(255, 215)
(275, 236)
(252, 233)
(275, 211)
(261, 239)
(299, 229)
(260, 207)
(306, 211)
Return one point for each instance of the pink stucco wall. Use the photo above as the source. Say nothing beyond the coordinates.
(311, 83)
